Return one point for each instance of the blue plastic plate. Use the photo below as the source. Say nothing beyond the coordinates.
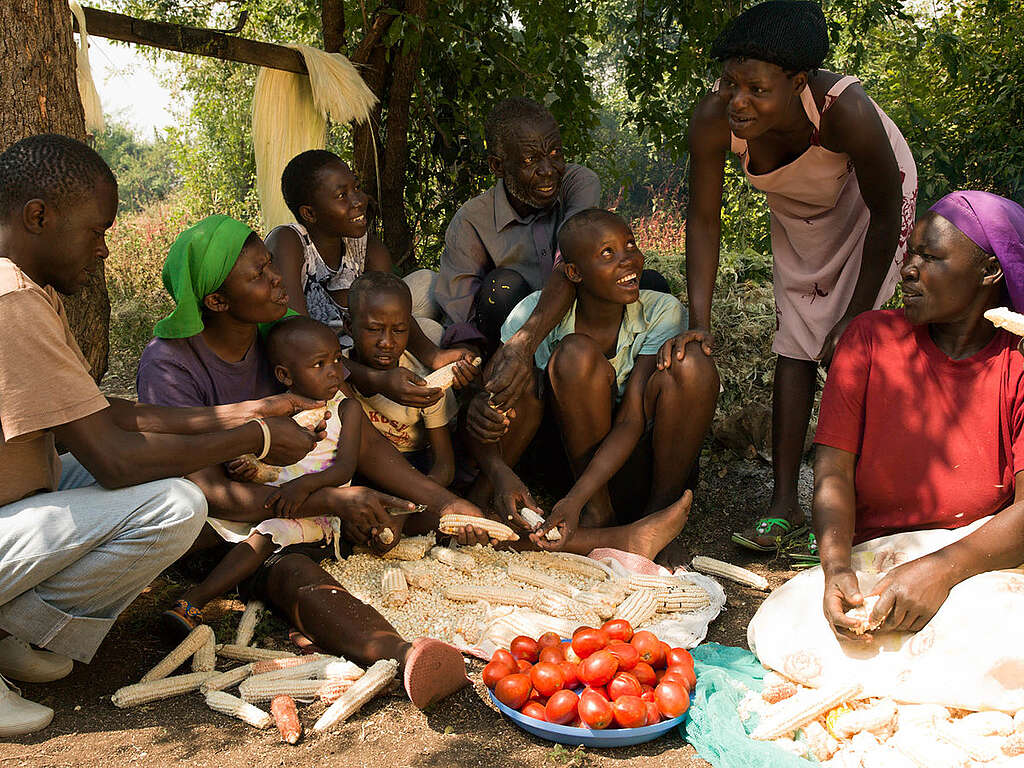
(564, 734)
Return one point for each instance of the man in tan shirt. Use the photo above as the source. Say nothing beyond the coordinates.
(81, 535)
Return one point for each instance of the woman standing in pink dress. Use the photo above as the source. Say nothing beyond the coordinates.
(841, 186)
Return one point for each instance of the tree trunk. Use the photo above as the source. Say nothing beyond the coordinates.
(40, 95)
(332, 21)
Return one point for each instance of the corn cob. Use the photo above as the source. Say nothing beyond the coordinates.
(286, 718)
(376, 679)
(468, 627)
(819, 741)
(657, 583)
(728, 571)
(579, 565)
(535, 578)
(323, 668)
(255, 689)
(614, 589)
(196, 639)
(878, 719)
(555, 604)
(411, 548)
(600, 604)
(264, 473)
(862, 614)
(924, 748)
(205, 659)
(416, 577)
(923, 715)
(503, 629)
(453, 524)
(223, 680)
(235, 707)
(977, 747)
(987, 723)
(449, 556)
(444, 377)
(161, 688)
(247, 624)
(1014, 744)
(385, 537)
(638, 608)
(796, 711)
(340, 669)
(535, 521)
(777, 688)
(393, 586)
(249, 653)
(471, 593)
(300, 665)
(1001, 317)
(687, 599)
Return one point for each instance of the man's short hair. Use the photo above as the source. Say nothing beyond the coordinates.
(576, 226)
(370, 284)
(501, 123)
(55, 169)
(300, 177)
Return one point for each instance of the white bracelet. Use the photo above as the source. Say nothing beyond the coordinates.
(266, 437)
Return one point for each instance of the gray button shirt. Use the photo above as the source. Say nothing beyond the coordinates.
(487, 233)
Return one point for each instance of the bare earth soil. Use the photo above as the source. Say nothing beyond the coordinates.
(389, 732)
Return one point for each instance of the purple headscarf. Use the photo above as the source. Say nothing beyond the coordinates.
(996, 225)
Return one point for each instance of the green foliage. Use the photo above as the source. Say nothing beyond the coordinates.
(145, 170)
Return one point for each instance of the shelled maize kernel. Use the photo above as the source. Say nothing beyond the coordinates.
(579, 565)
(469, 593)
(539, 579)
(161, 688)
(376, 679)
(638, 608)
(255, 689)
(249, 653)
(449, 556)
(233, 706)
(1014, 744)
(862, 615)
(195, 640)
(247, 624)
(796, 711)
(393, 586)
(224, 680)
(728, 571)
(535, 521)
(286, 718)
(453, 524)
(417, 577)
(411, 548)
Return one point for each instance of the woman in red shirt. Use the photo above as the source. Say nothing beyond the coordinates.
(922, 418)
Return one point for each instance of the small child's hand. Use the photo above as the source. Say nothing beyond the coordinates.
(241, 470)
(287, 500)
(464, 371)
(565, 518)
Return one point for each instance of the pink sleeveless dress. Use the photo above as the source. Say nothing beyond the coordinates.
(818, 224)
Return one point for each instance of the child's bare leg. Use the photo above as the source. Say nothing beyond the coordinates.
(238, 564)
(582, 391)
(681, 400)
(647, 536)
(338, 623)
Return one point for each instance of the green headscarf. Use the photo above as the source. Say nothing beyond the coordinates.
(197, 265)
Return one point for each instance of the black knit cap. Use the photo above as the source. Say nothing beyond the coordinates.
(789, 33)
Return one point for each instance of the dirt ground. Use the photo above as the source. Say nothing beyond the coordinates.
(389, 732)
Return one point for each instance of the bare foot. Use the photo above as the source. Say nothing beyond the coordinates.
(651, 534)
(433, 671)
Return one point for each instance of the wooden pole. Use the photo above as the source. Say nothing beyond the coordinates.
(202, 42)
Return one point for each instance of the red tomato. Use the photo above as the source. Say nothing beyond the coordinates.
(513, 690)
(600, 690)
(649, 648)
(562, 707)
(587, 641)
(653, 713)
(546, 678)
(595, 711)
(645, 673)
(598, 668)
(493, 672)
(672, 698)
(627, 655)
(618, 629)
(647, 694)
(674, 677)
(524, 647)
(534, 709)
(552, 653)
(570, 654)
(569, 672)
(522, 665)
(623, 684)
(505, 658)
(686, 674)
(629, 712)
(549, 639)
(576, 723)
(534, 696)
(679, 657)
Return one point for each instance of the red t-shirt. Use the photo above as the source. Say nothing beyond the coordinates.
(938, 441)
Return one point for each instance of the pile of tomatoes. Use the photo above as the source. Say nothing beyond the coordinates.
(610, 677)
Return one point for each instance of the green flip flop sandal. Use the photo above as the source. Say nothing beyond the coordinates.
(778, 528)
(806, 558)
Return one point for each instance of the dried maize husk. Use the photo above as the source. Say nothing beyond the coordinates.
(161, 688)
(535, 578)
(862, 615)
(570, 563)
(820, 742)
(247, 624)
(444, 377)
(376, 679)
(250, 653)
(794, 712)
(471, 593)
(255, 689)
(728, 571)
(449, 556)
(987, 723)
(834, 714)
(503, 629)
(286, 718)
(195, 640)
(638, 608)
(452, 524)
(416, 576)
(205, 659)
(1003, 317)
(224, 680)
(555, 604)
(233, 706)
(393, 586)
(879, 719)
(411, 548)
(535, 521)
(600, 604)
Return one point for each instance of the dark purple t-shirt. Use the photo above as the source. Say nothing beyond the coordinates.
(186, 372)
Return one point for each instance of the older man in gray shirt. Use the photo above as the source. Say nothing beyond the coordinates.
(501, 245)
